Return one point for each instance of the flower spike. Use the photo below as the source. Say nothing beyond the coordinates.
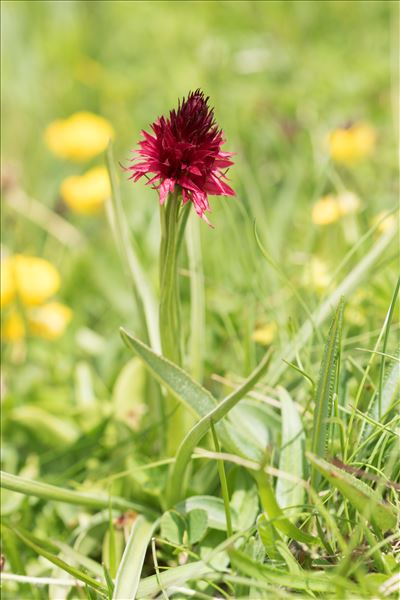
(185, 150)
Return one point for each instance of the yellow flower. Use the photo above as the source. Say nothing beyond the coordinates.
(348, 145)
(7, 286)
(13, 328)
(385, 221)
(79, 137)
(326, 210)
(86, 194)
(50, 320)
(35, 278)
(31, 278)
(331, 208)
(317, 274)
(265, 334)
(349, 203)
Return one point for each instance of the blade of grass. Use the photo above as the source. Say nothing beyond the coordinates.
(146, 302)
(388, 323)
(197, 300)
(291, 454)
(308, 580)
(224, 485)
(196, 433)
(111, 543)
(275, 513)
(202, 569)
(325, 389)
(34, 544)
(130, 568)
(286, 280)
(359, 494)
(149, 586)
(278, 366)
(46, 491)
(11, 551)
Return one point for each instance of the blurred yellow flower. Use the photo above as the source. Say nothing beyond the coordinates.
(349, 203)
(31, 278)
(265, 334)
(86, 194)
(36, 279)
(350, 144)
(331, 208)
(317, 274)
(79, 137)
(13, 328)
(326, 210)
(50, 320)
(385, 221)
(7, 287)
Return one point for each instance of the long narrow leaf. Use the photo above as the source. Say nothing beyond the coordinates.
(359, 494)
(146, 302)
(325, 389)
(150, 586)
(291, 454)
(196, 398)
(42, 551)
(59, 494)
(310, 581)
(196, 433)
(197, 301)
(130, 568)
(275, 513)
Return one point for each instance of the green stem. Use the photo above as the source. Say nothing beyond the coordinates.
(169, 310)
(224, 485)
(173, 221)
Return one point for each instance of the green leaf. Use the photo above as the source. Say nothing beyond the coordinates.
(130, 568)
(275, 513)
(196, 398)
(41, 547)
(255, 423)
(128, 393)
(325, 389)
(244, 500)
(307, 580)
(51, 429)
(173, 526)
(359, 494)
(390, 390)
(197, 524)
(175, 576)
(289, 493)
(268, 535)
(292, 564)
(214, 508)
(59, 494)
(197, 432)
(214, 538)
(112, 549)
(388, 322)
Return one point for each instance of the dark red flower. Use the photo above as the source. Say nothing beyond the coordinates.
(185, 150)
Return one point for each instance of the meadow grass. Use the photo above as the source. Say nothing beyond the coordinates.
(284, 478)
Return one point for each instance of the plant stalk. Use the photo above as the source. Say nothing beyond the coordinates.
(173, 219)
